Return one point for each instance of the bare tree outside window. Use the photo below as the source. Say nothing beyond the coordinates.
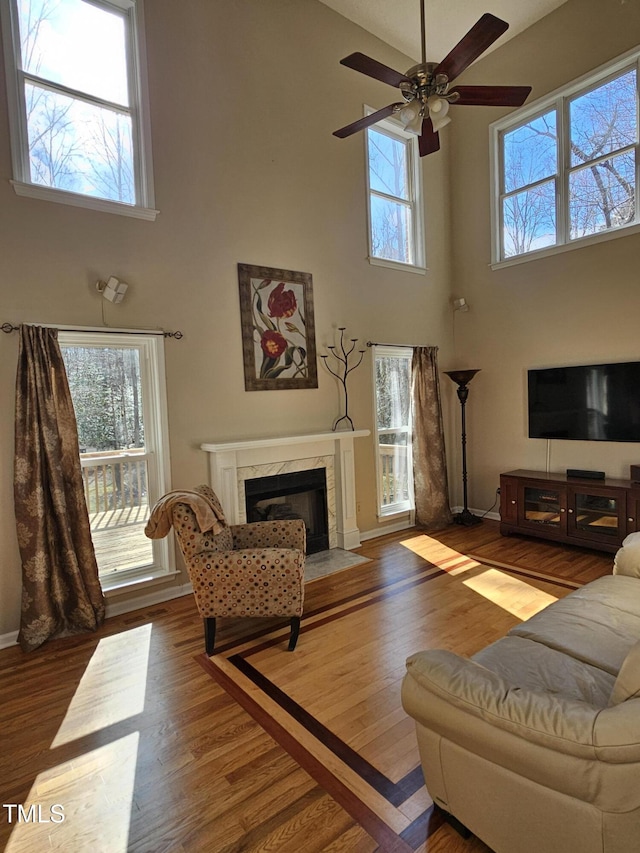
(601, 141)
(603, 122)
(529, 174)
(393, 428)
(78, 118)
(390, 205)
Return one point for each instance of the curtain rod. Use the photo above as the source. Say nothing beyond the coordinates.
(9, 327)
(404, 346)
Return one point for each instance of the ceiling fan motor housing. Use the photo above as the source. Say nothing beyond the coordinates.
(424, 83)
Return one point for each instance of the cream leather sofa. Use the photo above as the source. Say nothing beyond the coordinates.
(534, 743)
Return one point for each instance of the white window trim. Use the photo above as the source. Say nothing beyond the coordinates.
(141, 120)
(405, 508)
(394, 127)
(156, 423)
(559, 100)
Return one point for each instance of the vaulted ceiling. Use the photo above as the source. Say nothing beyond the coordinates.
(397, 22)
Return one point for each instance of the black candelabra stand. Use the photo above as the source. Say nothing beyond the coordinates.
(462, 378)
(342, 354)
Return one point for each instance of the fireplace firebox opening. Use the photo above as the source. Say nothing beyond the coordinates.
(300, 494)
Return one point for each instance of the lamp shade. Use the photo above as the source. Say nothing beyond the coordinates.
(462, 377)
(438, 109)
(411, 117)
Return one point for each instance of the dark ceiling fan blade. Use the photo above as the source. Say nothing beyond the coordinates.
(491, 96)
(373, 68)
(361, 123)
(481, 36)
(428, 141)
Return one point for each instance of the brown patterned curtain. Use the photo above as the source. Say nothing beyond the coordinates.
(61, 593)
(429, 462)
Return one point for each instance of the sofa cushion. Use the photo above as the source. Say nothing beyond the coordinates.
(596, 624)
(627, 684)
(529, 665)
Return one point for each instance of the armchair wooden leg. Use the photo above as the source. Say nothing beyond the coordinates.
(209, 634)
(295, 630)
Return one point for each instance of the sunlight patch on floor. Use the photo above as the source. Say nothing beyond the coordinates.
(513, 595)
(112, 688)
(440, 555)
(93, 794)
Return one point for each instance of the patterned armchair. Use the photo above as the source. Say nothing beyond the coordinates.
(252, 569)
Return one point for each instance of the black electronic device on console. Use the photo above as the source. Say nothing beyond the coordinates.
(582, 474)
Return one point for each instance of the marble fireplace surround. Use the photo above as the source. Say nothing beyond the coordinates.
(232, 463)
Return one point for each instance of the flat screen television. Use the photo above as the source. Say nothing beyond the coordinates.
(593, 402)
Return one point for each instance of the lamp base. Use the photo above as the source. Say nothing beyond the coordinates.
(466, 518)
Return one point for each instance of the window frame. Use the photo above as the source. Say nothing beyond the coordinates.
(143, 208)
(403, 508)
(558, 100)
(156, 422)
(392, 127)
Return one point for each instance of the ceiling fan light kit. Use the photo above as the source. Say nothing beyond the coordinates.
(425, 87)
(411, 116)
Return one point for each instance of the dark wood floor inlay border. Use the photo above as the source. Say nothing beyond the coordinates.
(395, 793)
(388, 840)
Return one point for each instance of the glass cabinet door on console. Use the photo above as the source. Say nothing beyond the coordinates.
(595, 513)
(542, 506)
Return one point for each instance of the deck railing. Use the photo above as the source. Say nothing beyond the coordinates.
(114, 480)
(393, 473)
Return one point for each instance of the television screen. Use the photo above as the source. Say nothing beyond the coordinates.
(594, 402)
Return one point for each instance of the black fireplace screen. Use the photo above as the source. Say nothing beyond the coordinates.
(300, 494)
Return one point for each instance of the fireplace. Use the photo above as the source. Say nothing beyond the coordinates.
(234, 463)
(299, 494)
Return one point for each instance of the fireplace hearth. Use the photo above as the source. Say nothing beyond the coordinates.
(299, 494)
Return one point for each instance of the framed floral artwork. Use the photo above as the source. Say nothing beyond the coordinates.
(278, 332)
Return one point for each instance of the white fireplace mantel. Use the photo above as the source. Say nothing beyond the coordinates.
(233, 462)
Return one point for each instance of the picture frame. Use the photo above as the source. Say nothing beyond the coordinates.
(278, 329)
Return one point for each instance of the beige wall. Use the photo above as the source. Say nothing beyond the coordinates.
(244, 97)
(576, 307)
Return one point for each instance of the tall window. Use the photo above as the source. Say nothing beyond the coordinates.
(395, 197)
(566, 167)
(78, 116)
(392, 384)
(117, 388)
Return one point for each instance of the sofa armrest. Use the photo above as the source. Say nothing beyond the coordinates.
(282, 533)
(556, 723)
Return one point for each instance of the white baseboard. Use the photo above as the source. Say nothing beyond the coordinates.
(117, 608)
(9, 639)
(481, 513)
(405, 524)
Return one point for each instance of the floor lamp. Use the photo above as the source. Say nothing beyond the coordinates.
(462, 379)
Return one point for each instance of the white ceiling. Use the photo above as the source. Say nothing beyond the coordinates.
(397, 22)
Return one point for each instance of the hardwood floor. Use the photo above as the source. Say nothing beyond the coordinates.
(146, 752)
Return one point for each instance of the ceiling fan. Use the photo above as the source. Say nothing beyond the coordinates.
(425, 87)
